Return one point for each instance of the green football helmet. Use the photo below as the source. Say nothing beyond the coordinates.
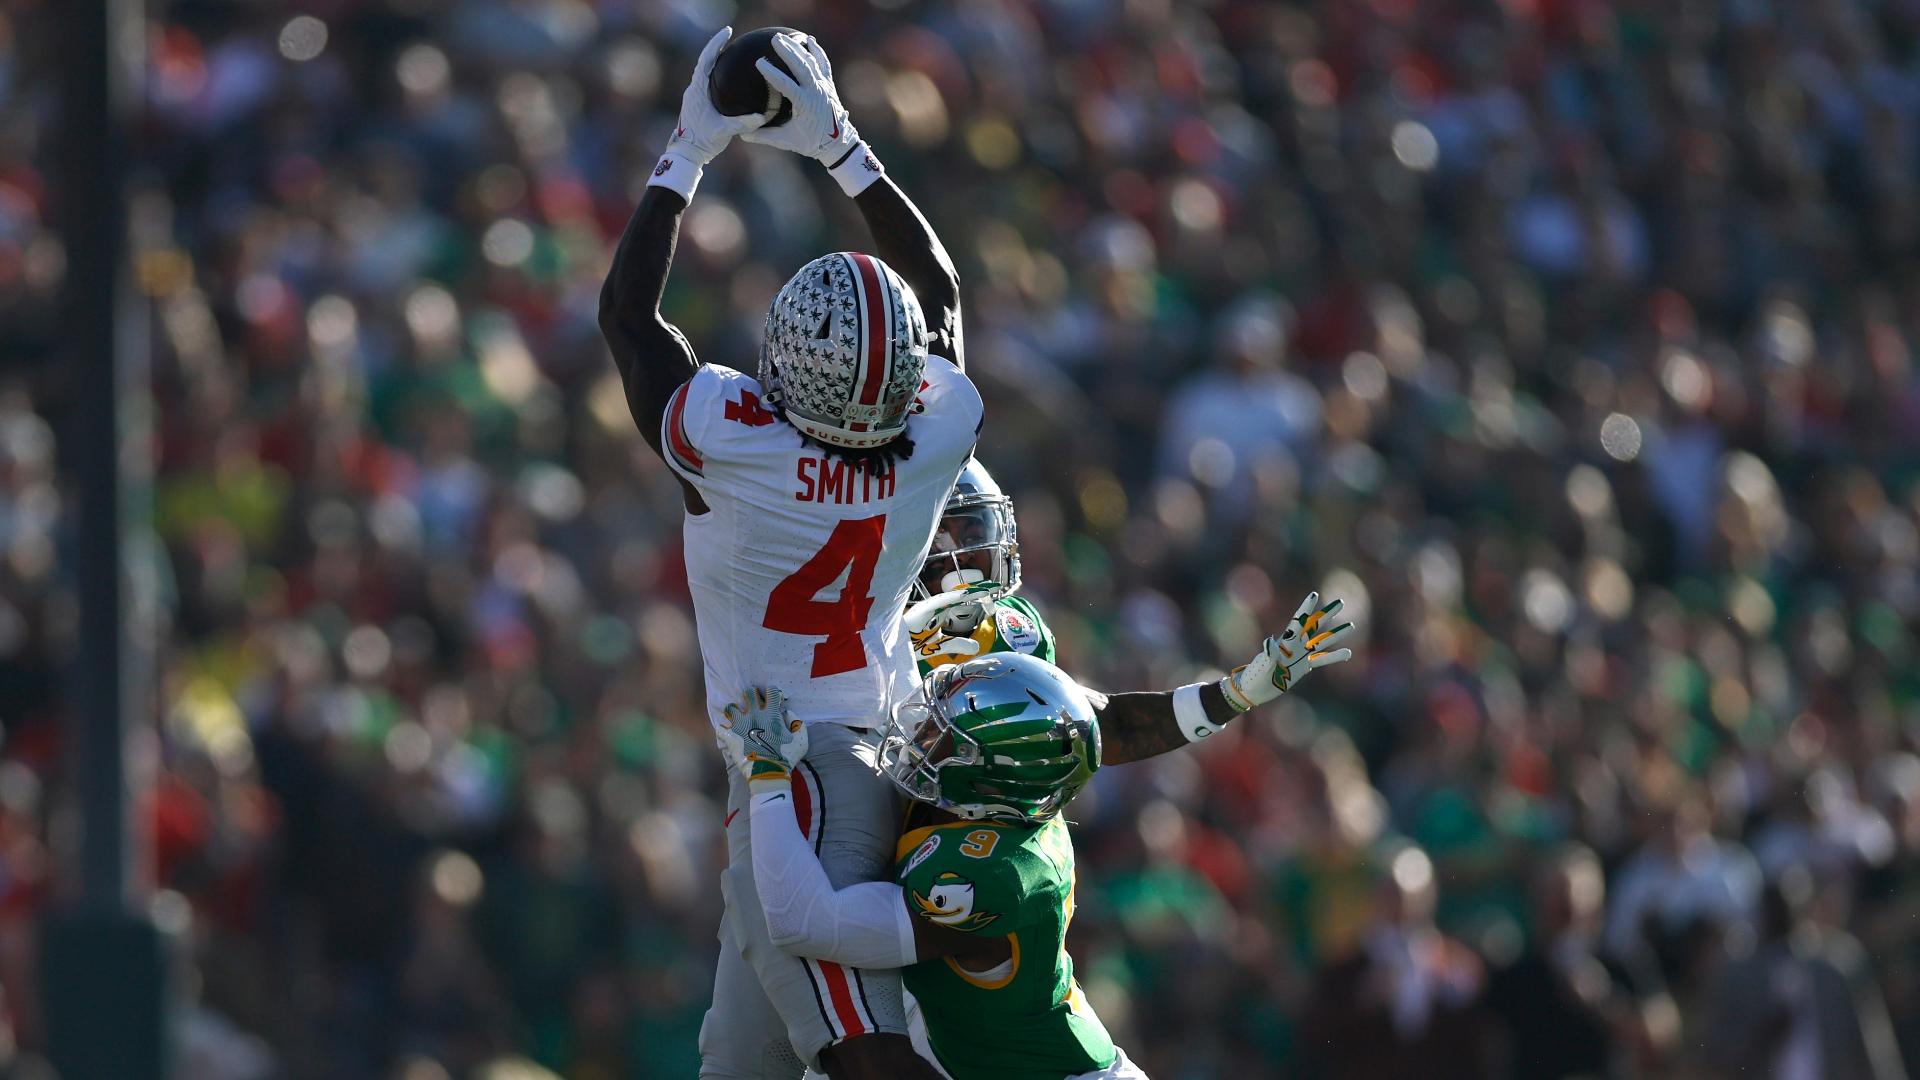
(1005, 736)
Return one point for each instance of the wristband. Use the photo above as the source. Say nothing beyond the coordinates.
(771, 785)
(1237, 699)
(1191, 713)
(677, 173)
(856, 170)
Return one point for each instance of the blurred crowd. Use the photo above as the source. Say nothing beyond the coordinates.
(1572, 342)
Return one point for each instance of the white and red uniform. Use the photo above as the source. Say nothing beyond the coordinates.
(800, 570)
(801, 567)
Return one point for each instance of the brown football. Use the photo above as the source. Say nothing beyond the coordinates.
(736, 86)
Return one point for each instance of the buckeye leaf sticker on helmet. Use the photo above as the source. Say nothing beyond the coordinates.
(844, 351)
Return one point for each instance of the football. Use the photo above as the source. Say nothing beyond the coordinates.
(736, 86)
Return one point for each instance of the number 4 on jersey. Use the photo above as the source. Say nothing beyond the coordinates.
(795, 607)
(748, 411)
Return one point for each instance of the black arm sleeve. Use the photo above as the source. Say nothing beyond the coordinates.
(652, 355)
(907, 243)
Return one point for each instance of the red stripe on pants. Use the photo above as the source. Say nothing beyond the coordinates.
(836, 976)
(842, 998)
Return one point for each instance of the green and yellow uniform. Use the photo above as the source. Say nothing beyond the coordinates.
(1025, 1019)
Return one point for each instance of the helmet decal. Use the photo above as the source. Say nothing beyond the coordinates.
(1007, 737)
(876, 315)
(844, 350)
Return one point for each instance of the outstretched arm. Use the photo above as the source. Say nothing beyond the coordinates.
(908, 244)
(1137, 726)
(822, 130)
(652, 355)
(1143, 725)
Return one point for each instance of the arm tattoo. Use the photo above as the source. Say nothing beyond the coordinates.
(1134, 727)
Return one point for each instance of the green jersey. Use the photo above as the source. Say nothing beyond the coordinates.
(1025, 1019)
(1016, 626)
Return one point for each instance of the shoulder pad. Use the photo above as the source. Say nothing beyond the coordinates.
(949, 397)
(710, 413)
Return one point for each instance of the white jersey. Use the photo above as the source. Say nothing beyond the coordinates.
(801, 566)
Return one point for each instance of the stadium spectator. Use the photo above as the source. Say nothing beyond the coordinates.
(1682, 884)
(1409, 999)
(1566, 1010)
(1597, 402)
(1800, 1004)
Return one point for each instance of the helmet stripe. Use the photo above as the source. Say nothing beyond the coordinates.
(863, 301)
(878, 321)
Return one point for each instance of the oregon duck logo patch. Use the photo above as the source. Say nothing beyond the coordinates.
(950, 903)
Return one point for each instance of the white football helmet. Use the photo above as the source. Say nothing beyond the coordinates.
(845, 350)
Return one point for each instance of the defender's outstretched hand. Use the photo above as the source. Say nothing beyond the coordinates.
(820, 128)
(703, 132)
(1287, 658)
(761, 740)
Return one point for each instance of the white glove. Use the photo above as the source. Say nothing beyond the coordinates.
(820, 127)
(1286, 659)
(761, 741)
(703, 132)
(944, 624)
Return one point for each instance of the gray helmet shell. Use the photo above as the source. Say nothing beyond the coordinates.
(844, 351)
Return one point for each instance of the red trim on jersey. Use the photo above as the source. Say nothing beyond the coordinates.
(677, 440)
(878, 335)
